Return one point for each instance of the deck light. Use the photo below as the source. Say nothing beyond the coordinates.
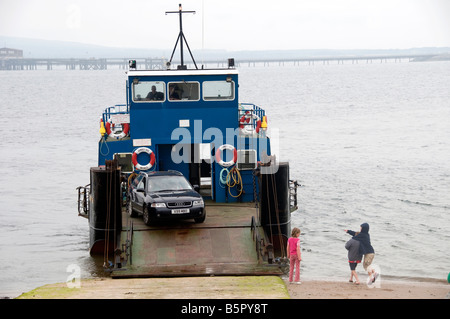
(132, 64)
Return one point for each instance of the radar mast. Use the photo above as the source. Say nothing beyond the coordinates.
(181, 38)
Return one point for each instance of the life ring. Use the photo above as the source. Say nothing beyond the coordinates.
(246, 127)
(219, 155)
(150, 163)
(112, 134)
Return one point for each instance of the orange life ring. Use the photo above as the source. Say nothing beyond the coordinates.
(245, 125)
(219, 159)
(112, 134)
(149, 164)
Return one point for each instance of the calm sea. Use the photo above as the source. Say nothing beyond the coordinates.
(367, 142)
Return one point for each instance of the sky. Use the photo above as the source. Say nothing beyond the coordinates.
(233, 24)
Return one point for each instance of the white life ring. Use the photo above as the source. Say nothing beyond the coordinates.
(149, 164)
(113, 134)
(219, 155)
(247, 127)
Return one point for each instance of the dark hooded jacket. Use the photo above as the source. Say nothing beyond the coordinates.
(364, 239)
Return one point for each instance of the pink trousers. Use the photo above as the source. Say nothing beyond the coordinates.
(294, 262)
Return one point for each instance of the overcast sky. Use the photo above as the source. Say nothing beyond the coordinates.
(233, 24)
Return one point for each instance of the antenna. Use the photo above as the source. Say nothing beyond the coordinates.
(181, 38)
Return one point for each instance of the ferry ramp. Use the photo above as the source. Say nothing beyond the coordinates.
(228, 243)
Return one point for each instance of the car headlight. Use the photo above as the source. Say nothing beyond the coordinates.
(197, 202)
(158, 205)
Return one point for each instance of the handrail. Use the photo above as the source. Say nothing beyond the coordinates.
(129, 243)
(255, 110)
(244, 107)
(263, 250)
(259, 242)
(293, 205)
(83, 201)
(113, 110)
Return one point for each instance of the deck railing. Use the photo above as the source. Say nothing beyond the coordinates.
(247, 109)
(253, 112)
(115, 110)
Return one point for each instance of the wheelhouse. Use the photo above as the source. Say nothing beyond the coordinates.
(180, 120)
(178, 99)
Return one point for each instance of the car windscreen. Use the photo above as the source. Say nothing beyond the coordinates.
(167, 183)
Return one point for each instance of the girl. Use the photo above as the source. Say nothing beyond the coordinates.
(295, 255)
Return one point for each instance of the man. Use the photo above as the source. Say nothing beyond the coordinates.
(154, 95)
(173, 93)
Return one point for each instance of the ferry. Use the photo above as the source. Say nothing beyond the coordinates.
(187, 123)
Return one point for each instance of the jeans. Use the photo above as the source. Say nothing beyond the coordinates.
(294, 261)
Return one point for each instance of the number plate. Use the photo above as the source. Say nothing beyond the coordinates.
(180, 211)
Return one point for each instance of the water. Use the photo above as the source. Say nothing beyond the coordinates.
(368, 142)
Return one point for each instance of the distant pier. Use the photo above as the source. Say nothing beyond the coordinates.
(78, 64)
(327, 60)
(160, 63)
(336, 60)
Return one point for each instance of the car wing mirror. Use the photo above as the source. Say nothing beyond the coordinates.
(196, 188)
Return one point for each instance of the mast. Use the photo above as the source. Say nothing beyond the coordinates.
(181, 38)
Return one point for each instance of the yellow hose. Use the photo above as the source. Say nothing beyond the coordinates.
(233, 179)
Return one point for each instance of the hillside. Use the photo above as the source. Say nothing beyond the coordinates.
(36, 48)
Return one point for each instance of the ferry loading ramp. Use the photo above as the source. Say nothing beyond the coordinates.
(229, 242)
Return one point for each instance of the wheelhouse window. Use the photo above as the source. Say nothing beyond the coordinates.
(184, 91)
(218, 90)
(148, 91)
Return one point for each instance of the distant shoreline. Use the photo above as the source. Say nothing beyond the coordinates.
(39, 48)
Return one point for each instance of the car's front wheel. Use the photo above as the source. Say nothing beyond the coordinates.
(146, 216)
